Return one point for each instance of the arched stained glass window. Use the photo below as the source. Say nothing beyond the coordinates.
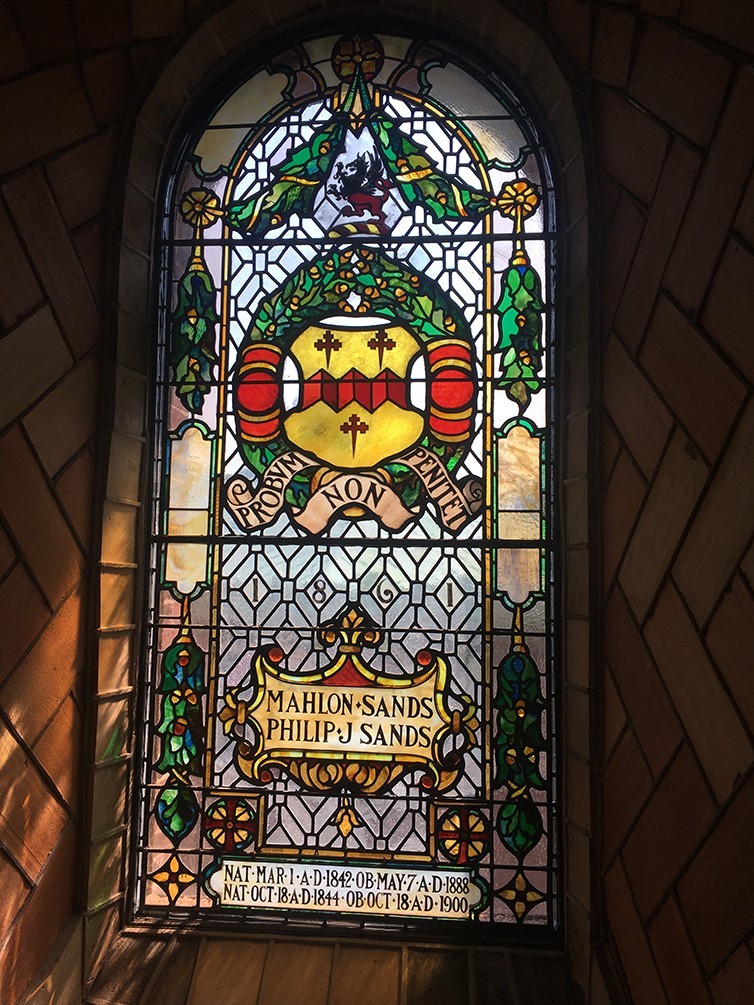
(349, 715)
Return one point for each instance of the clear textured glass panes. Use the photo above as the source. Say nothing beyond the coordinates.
(349, 687)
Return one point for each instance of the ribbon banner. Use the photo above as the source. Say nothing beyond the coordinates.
(456, 503)
(254, 508)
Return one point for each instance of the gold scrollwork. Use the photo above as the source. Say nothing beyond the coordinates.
(347, 727)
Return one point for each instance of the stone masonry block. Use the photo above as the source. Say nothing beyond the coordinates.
(133, 282)
(438, 977)
(577, 651)
(7, 553)
(24, 607)
(36, 521)
(117, 598)
(109, 799)
(44, 917)
(164, 105)
(734, 981)
(661, 226)
(15, 59)
(130, 401)
(618, 252)
(613, 716)
(687, 373)
(662, 8)
(721, 530)
(217, 969)
(119, 534)
(631, 145)
(731, 298)
(544, 76)
(59, 751)
(579, 789)
(65, 419)
(710, 718)
(680, 81)
(196, 60)
(509, 35)
(15, 889)
(114, 662)
(105, 871)
(626, 784)
(113, 730)
(678, 484)
(75, 488)
(611, 53)
(717, 890)
(32, 695)
(80, 179)
(19, 289)
(31, 820)
(638, 413)
(138, 218)
(730, 639)
(745, 216)
(652, 715)
(46, 29)
(32, 357)
(109, 85)
(670, 826)
(733, 26)
(362, 972)
(570, 21)
(49, 244)
(152, 20)
(102, 26)
(675, 958)
(42, 113)
(124, 468)
(643, 980)
(716, 196)
(623, 499)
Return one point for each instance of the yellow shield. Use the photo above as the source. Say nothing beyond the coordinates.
(354, 410)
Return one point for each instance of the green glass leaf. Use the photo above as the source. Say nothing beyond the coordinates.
(519, 824)
(193, 352)
(180, 727)
(520, 308)
(176, 811)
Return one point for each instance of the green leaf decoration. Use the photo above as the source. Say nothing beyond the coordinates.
(180, 727)
(298, 180)
(419, 179)
(519, 738)
(520, 309)
(295, 186)
(193, 353)
(176, 811)
(519, 824)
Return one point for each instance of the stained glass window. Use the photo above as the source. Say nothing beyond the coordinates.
(349, 691)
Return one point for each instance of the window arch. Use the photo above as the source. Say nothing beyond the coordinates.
(350, 613)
